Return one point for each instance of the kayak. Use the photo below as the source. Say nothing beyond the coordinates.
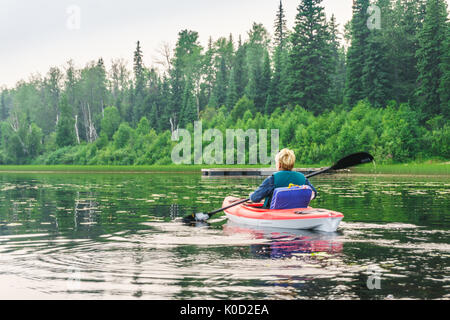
(301, 219)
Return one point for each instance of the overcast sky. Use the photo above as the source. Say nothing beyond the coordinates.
(38, 34)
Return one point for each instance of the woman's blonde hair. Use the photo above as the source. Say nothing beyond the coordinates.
(286, 159)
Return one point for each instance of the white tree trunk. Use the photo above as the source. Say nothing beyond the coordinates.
(76, 129)
(92, 132)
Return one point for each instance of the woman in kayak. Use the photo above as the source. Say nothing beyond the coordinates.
(285, 161)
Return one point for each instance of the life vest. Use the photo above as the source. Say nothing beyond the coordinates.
(283, 179)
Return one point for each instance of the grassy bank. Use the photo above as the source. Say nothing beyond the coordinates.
(410, 168)
(114, 169)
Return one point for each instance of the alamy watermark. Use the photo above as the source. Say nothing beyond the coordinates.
(233, 151)
(74, 279)
(374, 279)
(374, 21)
(73, 21)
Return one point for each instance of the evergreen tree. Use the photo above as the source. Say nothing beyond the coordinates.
(310, 58)
(444, 89)
(189, 110)
(338, 61)
(177, 85)
(65, 130)
(264, 84)
(356, 55)
(34, 141)
(232, 93)
(281, 31)
(257, 86)
(219, 95)
(161, 121)
(70, 83)
(139, 76)
(240, 69)
(3, 105)
(138, 96)
(208, 72)
(430, 56)
(184, 73)
(376, 78)
(278, 86)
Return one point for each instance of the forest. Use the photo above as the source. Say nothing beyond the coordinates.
(381, 87)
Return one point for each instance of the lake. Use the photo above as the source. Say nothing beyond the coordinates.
(119, 236)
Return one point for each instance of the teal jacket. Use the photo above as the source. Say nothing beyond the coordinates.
(280, 179)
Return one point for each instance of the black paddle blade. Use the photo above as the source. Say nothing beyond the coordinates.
(189, 219)
(196, 217)
(353, 160)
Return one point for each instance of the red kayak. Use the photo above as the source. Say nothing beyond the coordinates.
(302, 218)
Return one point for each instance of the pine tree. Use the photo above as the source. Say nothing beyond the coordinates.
(65, 130)
(278, 86)
(376, 77)
(264, 84)
(161, 121)
(3, 106)
(240, 70)
(186, 65)
(281, 31)
(310, 58)
(138, 69)
(444, 89)
(138, 97)
(338, 61)
(177, 85)
(356, 55)
(430, 56)
(189, 109)
(208, 72)
(257, 85)
(400, 36)
(232, 94)
(219, 95)
(252, 91)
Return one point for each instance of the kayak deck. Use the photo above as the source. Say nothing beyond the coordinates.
(301, 218)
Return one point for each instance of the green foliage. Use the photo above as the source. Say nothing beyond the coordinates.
(388, 93)
(65, 129)
(123, 136)
(143, 127)
(310, 58)
(111, 121)
(356, 55)
(244, 104)
(430, 56)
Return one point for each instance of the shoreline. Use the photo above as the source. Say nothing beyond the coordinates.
(396, 169)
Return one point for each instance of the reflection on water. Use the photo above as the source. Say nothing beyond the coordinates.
(285, 243)
(119, 236)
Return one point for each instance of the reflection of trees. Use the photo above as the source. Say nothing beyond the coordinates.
(84, 209)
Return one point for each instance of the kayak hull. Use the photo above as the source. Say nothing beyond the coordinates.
(300, 219)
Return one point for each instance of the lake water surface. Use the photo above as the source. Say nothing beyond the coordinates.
(103, 236)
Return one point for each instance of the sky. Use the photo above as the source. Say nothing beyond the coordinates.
(39, 34)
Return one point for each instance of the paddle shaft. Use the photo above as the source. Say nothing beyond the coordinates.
(230, 206)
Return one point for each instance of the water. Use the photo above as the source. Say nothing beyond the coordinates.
(87, 236)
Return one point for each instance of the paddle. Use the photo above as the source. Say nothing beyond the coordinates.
(347, 162)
